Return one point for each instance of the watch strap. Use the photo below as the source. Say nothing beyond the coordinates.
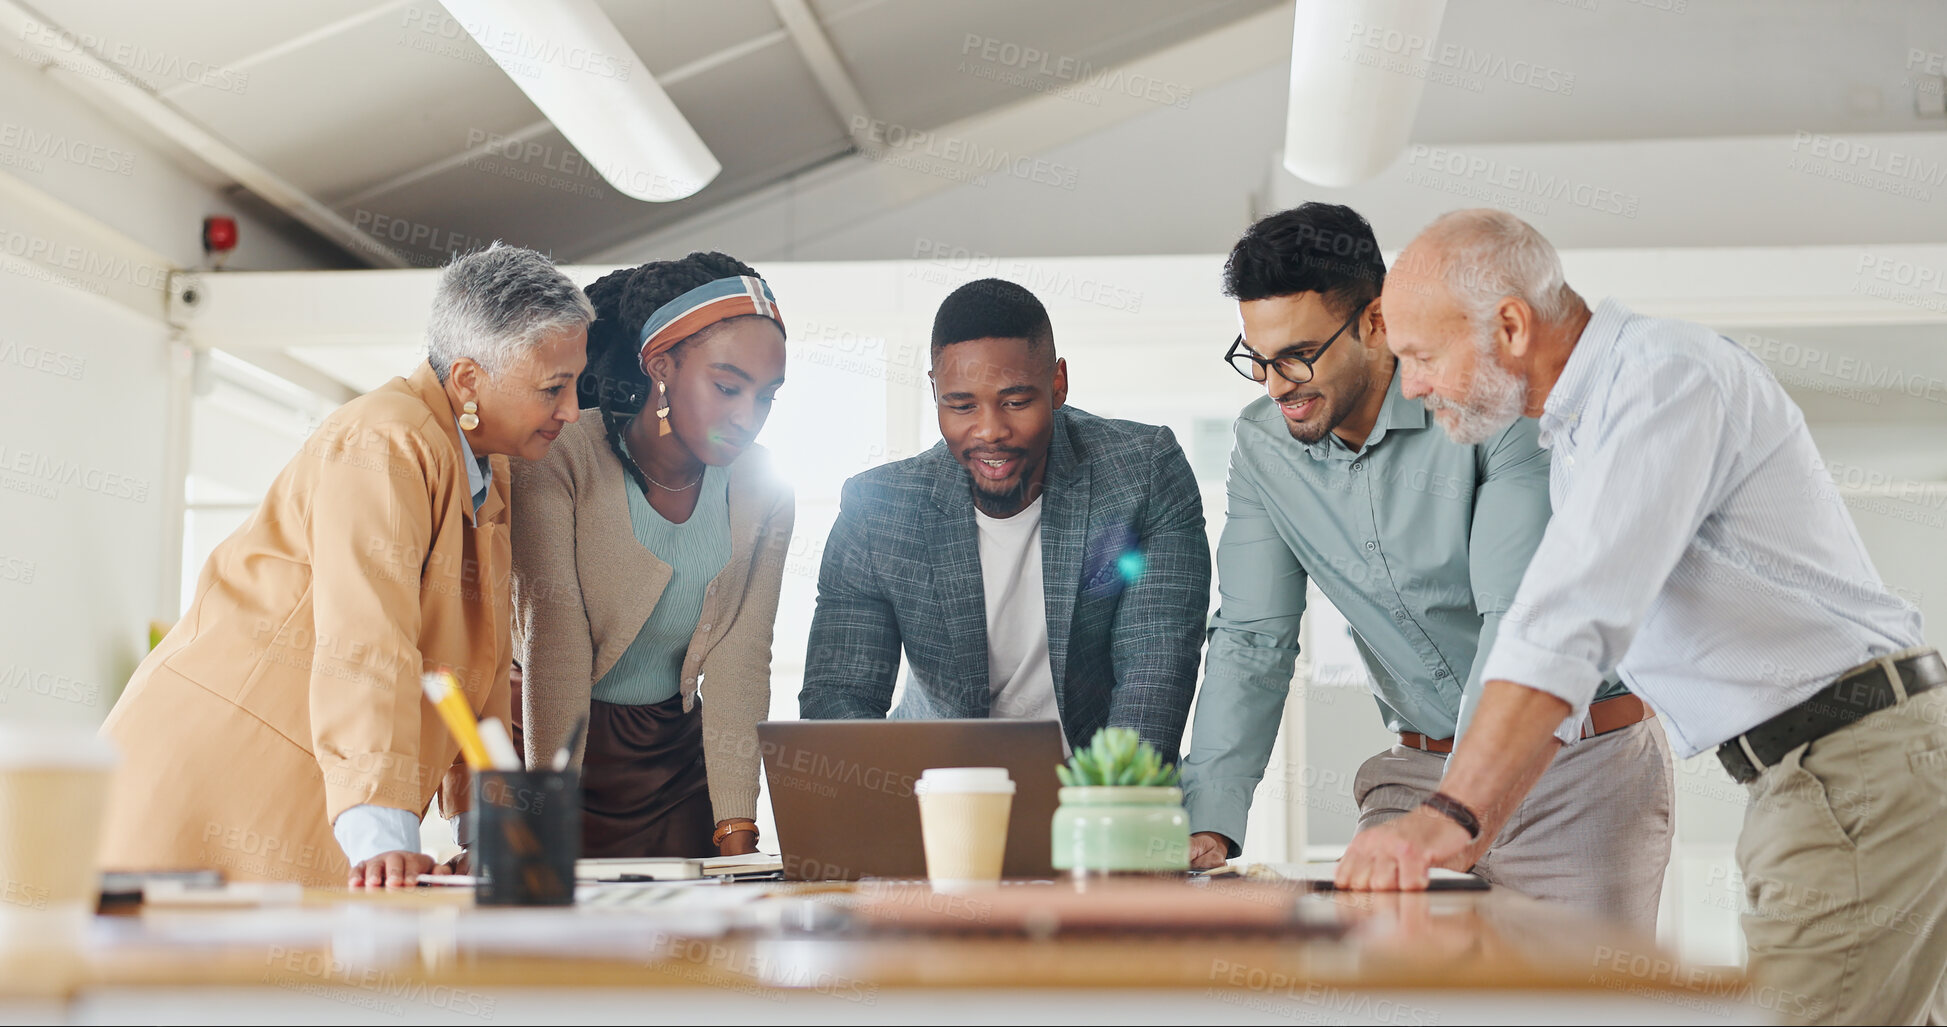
(1455, 810)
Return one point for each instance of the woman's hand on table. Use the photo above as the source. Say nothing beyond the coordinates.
(396, 869)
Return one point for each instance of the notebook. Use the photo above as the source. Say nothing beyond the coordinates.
(675, 868)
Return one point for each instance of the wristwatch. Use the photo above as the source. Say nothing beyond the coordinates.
(1455, 810)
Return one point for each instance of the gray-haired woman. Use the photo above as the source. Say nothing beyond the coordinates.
(279, 731)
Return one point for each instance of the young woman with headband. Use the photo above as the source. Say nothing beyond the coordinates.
(649, 550)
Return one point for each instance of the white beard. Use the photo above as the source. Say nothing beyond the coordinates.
(1495, 399)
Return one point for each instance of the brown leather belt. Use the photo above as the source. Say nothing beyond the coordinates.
(1611, 714)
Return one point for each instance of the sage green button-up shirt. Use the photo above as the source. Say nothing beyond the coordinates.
(1419, 541)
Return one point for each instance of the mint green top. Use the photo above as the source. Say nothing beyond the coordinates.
(650, 670)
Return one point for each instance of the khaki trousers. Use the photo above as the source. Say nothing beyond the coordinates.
(1593, 834)
(1844, 858)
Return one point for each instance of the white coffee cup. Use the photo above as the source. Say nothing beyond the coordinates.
(53, 796)
(963, 822)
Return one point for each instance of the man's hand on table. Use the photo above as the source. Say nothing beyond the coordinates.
(1208, 850)
(1465, 860)
(1397, 855)
(397, 869)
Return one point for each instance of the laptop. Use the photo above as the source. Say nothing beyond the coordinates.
(842, 790)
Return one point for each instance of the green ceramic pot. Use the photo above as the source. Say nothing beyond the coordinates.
(1121, 830)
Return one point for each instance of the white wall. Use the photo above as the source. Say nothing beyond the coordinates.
(94, 214)
(81, 497)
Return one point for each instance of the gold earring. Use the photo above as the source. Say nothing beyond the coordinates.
(662, 412)
(469, 416)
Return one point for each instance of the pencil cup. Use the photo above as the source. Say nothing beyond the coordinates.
(528, 836)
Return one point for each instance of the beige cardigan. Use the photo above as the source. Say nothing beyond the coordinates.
(584, 586)
(289, 691)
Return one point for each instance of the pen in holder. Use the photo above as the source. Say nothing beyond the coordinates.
(528, 836)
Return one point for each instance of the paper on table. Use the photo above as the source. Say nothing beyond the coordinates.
(190, 926)
(643, 934)
(665, 895)
(1325, 870)
(231, 895)
(448, 880)
(749, 863)
(651, 868)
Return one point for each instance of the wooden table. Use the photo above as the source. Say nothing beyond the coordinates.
(413, 956)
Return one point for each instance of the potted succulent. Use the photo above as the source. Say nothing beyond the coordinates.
(1121, 810)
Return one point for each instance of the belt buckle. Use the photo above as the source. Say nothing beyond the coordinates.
(1740, 761)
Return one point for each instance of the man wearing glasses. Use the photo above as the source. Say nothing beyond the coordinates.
(1337, 478)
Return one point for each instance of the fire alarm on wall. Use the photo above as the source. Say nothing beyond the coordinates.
(219, 238)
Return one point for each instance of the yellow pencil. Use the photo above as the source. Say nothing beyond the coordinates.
(444, 693)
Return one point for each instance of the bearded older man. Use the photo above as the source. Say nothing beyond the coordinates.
(1699, 548)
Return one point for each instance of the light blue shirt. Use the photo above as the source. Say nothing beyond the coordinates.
(365, 831)
(1698, 544)
(1419, 541)
(479, 473)
(650, 670)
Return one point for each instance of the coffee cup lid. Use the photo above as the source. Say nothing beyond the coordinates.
(964, 779)
(27, 744)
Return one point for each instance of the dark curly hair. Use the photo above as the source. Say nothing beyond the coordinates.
(1324, 248)
(615, 382)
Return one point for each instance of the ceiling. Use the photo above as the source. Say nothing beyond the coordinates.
(387, 112)
(1637, 69)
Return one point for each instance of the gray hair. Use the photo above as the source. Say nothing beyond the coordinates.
(1491, 255)
(495, 304)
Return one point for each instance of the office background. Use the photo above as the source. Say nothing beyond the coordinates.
(1775, 168)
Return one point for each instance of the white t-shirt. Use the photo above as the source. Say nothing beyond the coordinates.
(1020, 683)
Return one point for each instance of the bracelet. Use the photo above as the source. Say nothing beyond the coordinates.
(730, 827)
(1456, 811)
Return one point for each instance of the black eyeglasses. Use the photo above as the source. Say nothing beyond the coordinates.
(1290, 366)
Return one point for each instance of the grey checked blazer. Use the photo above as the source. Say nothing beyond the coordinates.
(1125, 568)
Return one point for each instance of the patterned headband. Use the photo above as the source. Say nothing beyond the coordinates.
(704, 306)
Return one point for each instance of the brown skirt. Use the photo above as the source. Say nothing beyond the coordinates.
(643, 787)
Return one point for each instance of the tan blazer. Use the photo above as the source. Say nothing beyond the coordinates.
(289, 692)
(584, 586)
